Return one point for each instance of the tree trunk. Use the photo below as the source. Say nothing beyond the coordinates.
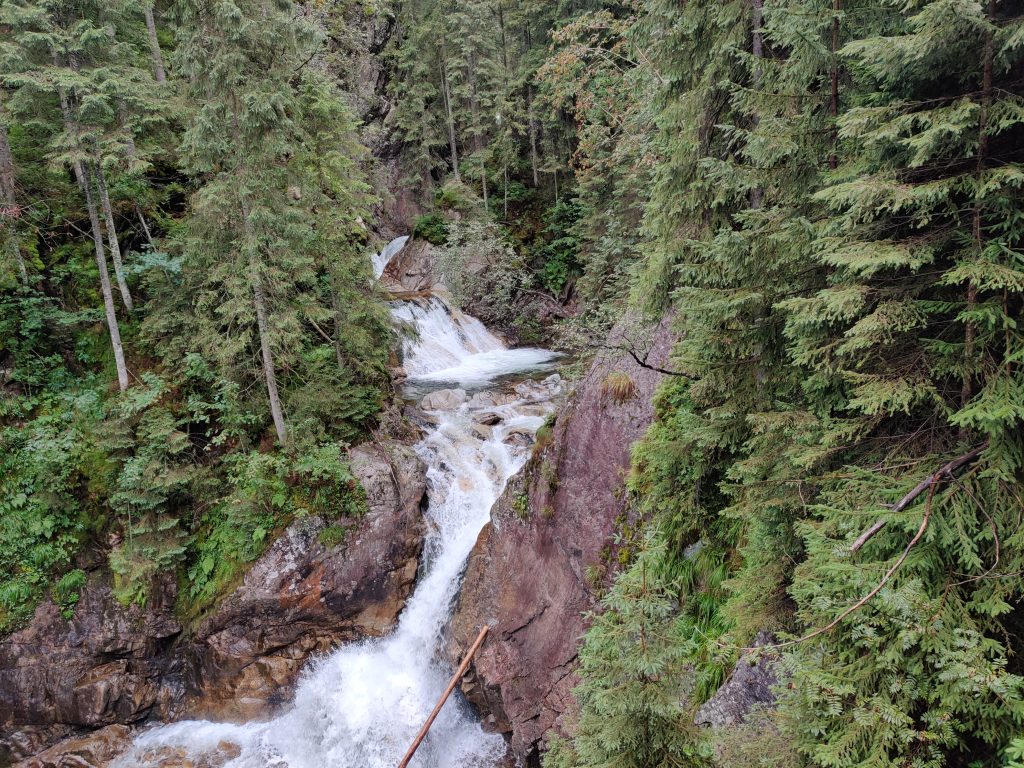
(9, 200)
(970, 328)
(145, 226)
(446, 93)
(263, 326)
(108, 294)
(154, 46)
(338, 326)
(757, 48)
(533, 137)
(115, 244)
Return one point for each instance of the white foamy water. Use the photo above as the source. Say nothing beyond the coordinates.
(455, 348)
(380, 260)
(361, 706)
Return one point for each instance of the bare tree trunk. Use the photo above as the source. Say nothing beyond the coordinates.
(336, 308)
(757, 48)
(154, 46)
(145, 227)
(9, 199)
(446, 93)
(533, 137)
(833, 159)
(108, 294)
(259, 300)
(506, 189)
(115, 244)
(263, 324)
(971, 329)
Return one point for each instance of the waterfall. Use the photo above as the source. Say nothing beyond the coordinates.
(380, 260)
(362, 705)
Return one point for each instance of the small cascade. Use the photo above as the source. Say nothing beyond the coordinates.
(454, 348)
(381, 260)
(362, 705)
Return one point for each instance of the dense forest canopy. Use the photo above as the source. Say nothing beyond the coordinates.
(826, 196)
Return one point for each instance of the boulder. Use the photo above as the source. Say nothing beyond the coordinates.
(443, 400)
(93, 750)
(751, 685)
(526, 575)
(412, 269)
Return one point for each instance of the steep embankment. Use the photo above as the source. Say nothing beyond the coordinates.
(110, 664)
(534, 569)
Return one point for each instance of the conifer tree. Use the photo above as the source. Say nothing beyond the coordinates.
(268, 141)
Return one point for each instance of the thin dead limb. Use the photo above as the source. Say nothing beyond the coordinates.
(945, 470)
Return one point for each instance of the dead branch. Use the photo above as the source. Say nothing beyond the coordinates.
(946, 470)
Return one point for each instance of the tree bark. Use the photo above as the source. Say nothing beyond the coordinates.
(154, 46)
(447, 96)
(8, 198)
(108, 294)
(757, 48)
(259, 300)
(263, 324)
(112, 240)
(145, 226)
(533, 137)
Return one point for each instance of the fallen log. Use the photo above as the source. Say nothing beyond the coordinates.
(444, 696)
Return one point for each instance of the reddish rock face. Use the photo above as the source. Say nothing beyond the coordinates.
(530, 573)
(302, 598)
(109, 664)
(97, 749)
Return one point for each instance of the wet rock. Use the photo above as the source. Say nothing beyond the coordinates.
(750, 685)
(179, 757)
(443, 400)
(527, 572)
(487, 418)
(491, 399)
(96, 749)
(518, 436)
(303, 597)
(535, 391)
(481, 431)
(106, 664)
(412, 269)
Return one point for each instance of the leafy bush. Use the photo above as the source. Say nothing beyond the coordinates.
(431, 227)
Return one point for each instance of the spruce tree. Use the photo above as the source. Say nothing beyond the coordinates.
(274, 150)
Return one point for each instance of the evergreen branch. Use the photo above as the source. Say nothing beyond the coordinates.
(934, 479)
(946, 470)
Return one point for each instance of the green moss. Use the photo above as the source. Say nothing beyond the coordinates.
(333, 536)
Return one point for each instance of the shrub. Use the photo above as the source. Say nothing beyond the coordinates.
(618, 387)
(431, 227)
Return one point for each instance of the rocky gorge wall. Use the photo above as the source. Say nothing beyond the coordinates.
(533, 572)
(109, 664)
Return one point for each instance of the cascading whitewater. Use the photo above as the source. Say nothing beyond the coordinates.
(361, 706)
(380, 260)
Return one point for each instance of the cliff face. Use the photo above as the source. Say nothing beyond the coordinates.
(532, 572)
(110, 664)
